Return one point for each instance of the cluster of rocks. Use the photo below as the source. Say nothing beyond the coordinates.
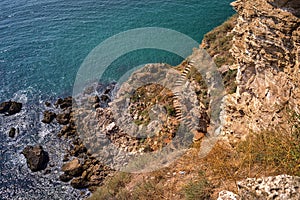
(84, 173)
(10, 108)
(282, 187)
(266, 50)
(80, 168)
(83, 170)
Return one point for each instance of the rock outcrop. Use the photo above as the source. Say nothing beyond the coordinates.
(37, 158)
(266, 48)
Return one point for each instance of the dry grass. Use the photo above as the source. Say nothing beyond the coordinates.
(266, 153)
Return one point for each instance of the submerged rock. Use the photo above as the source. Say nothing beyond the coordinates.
(10, 107)
(48, 104)
(37, 158)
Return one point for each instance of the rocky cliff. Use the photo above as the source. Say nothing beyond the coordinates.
(266, 49)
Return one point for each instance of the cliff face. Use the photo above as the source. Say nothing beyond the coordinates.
(266, 48)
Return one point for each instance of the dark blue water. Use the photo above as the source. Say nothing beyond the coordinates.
(42, 45)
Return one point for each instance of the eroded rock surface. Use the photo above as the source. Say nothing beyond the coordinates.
(273, 187)
(266, 47)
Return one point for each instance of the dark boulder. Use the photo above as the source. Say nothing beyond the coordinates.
(105, 98)
(64, 103)
(37, 158)
(48, 104)
(79, 183)
(12, 132)
(48, 117)
(10, 107)
(65, 177)
(96, 105)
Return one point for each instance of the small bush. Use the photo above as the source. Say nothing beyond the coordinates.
(113, 188)
(199, 189)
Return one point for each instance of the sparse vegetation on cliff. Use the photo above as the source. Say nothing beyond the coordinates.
(218, 43)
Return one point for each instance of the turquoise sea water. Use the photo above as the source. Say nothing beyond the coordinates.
(44, 42)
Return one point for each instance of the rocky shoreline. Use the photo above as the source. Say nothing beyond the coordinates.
(70, 164)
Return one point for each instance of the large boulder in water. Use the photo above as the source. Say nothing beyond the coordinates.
(37, 158)
(10, 107)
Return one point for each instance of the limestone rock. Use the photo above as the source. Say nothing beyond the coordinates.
(266, 50)
(79, 183)
(94, 99)
(283, 187)
(64, 103)
(63, 118)
(227, 195)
